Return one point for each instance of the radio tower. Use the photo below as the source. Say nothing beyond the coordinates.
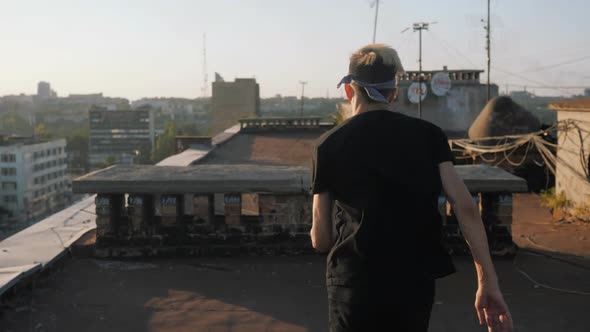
(205, 79)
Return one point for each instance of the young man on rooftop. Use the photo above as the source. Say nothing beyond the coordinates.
(376, 182)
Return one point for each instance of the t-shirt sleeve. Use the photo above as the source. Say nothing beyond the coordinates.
(319, 172)
(442, 150)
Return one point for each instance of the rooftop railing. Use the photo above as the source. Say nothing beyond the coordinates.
(279, 122)
(454, 75)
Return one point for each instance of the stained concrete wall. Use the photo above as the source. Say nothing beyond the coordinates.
(454, 112)
(571, 177)
(232, 101)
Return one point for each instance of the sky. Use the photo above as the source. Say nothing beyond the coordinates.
(154, 48)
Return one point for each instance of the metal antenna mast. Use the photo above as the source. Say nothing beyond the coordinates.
(205, 78)
(419, 27)
(303, 83)
(376, 4)
(488, 49)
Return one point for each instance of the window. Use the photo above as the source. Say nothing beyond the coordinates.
(10, 199)
(59, 150)
(8, 158)
(8, 171)
(8, 185)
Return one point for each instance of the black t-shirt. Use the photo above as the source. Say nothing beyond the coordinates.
(381, 170)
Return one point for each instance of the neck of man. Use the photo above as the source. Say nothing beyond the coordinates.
(364, 107)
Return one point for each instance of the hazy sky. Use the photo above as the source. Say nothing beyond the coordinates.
(149, 48)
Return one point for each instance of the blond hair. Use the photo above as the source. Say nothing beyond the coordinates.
(370, 54)
(375, 63)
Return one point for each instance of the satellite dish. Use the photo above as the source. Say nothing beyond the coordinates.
(417, 90)
(440, 83)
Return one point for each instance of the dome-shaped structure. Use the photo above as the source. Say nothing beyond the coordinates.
(502, 116)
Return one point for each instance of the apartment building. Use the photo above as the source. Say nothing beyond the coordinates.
(33, 177)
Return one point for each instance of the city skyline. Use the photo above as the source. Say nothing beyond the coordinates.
(154, 49)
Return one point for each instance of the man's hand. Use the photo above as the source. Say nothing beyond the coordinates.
(489, 303)
(492, 310)
(322, 235)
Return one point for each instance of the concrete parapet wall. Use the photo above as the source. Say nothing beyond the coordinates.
(571, 178)
(454, 112)
(269, 218)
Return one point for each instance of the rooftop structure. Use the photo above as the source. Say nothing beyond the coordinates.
(464, 76)
(452, 103)
(572, 169)
(502, 116)
(232, 101)
(152, 210)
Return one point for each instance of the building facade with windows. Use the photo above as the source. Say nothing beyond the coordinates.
(33, 178)
(119, 135)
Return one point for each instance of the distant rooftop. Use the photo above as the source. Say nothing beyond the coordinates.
(7, 140)
(455, 75)
(578, 105)
(273, 147)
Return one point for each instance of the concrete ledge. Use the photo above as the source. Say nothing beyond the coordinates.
(487, 179)
(142, 179)
(41, 245)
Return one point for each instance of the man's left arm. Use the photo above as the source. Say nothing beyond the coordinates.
(322, 233)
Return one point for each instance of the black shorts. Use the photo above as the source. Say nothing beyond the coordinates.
(405, 309)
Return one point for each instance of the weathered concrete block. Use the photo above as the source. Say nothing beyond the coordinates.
(233, 209)
(202, 208)
(140, 209)
(109, 211)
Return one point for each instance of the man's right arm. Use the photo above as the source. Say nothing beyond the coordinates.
(489, 303)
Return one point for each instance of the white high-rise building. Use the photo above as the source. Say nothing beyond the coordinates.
(33, 177)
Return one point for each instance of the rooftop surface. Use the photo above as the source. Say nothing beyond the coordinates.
(546, 293)
(6, 140)
(270, 294)
(291, 147)
(580, 105)
(38, 246)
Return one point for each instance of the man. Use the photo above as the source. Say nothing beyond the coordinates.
(376, 182)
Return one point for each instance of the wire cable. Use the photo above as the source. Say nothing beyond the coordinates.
(543, 285)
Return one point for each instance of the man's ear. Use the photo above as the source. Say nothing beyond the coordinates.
(349, 92)
(392, 96)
